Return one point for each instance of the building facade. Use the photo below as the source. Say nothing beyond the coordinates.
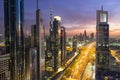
(63, 46)
(14, 38)
(33, 63)
(56, 42)
(33, 36)
(27, 54)
(102, 45)
(4, 67)
(38, 47)
(92, 36)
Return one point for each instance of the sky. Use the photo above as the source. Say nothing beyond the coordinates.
(77, 15)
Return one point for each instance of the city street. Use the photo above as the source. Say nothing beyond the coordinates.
(83, 67)
(80, 66)
(115, 55)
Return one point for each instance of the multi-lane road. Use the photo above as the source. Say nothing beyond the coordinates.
(83, 66)
(80, 66)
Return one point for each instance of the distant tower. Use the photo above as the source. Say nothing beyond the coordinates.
(85, 35)
(102, 47)
(92, 36)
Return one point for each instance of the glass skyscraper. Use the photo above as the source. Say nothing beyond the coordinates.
(14, 39)
(102, 47)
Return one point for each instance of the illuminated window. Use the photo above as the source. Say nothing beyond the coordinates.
(99, 44)
(103, 17)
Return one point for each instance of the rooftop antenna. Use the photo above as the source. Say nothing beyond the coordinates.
(37, 5)
(51, 14)
(102, 8)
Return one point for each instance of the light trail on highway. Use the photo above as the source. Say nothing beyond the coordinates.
(76, 70)
(83, 66)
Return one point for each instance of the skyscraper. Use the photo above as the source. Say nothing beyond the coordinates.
(49, 59)
(27, 54)
(102, 47)
(85, 35)
(34, 50)
(39, 45)
(63, 46)
(51, 24)
(56, 42)
(7, 25)
(37, 50)
(74, 45)
(92, 36)
(81, 37)
(33, 64)
(14, 38)
(33, 36)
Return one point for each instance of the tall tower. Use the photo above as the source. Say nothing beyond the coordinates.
(51, 24)
(85, 35)
(51, 28)
(56, 42)
(37, 43)
(102, 47)
(63, 46)
(14, 38)
(40, 35)
(49, 56)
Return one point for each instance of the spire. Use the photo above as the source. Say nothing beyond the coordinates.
(102, 7)
(51, 14)
(37, 5)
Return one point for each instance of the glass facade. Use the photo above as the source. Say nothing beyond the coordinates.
(14, 22)
(102, 48)
(4, 67)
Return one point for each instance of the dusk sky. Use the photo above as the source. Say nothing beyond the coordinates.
(77, 15)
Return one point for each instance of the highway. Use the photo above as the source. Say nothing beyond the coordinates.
(83, 66)
(76, 71)
(115, 55)
(89, 73)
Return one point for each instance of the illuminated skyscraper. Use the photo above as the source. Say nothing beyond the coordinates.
(56, 42)
(14, 39)
(49, 59)
(102, 47)
(63, 46)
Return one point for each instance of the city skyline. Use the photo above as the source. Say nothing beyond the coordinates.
(74, 15)
(59, 40)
